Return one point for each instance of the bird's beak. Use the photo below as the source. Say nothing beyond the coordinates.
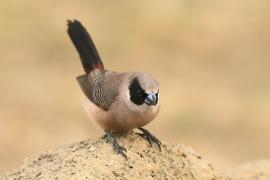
(151, 99)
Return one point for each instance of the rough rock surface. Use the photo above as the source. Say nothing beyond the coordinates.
(96, 160)
(259, 170)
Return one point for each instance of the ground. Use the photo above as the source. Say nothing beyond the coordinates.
(95, 159)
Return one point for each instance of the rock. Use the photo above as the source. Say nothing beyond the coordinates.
(96, 160)
(259, 170)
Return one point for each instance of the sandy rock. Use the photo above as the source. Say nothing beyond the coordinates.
(96, 160)
(259, 170)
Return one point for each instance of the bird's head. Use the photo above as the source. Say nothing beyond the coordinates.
(144, 89)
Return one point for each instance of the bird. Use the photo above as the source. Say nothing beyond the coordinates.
(116, 101)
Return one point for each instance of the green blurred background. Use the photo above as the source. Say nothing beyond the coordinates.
(210, 57)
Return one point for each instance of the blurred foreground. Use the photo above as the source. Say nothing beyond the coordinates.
(211, 58)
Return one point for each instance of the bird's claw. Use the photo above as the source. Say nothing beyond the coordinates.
(149, 137)
(119, 149)
(116, 147)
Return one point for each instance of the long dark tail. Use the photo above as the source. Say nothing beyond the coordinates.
(85, 46)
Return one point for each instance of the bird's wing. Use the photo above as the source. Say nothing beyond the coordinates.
(86, 86)
(100, 87)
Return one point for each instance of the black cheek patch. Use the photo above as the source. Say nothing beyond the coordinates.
(137, 94)
(157, 98)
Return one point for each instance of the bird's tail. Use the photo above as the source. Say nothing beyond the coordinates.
(85, 46)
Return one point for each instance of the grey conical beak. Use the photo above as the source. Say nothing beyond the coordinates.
(151, 99)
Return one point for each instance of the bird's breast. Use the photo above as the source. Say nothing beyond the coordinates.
(120, 117)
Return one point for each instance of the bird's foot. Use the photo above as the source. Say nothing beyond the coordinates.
(116, 147)
(149, 137)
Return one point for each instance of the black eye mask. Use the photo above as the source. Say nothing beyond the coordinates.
(137, 93)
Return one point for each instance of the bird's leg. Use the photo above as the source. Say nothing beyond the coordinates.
(112, 140)
(149, 137)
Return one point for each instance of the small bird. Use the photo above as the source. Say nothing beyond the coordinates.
(116, 101)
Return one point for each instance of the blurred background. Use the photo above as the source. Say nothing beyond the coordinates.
(210, 57)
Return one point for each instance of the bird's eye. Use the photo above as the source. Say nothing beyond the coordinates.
(157, 94)
(141, 93)
(137, 94)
